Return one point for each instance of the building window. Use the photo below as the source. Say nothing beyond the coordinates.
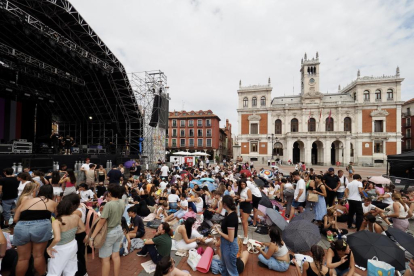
(174, 142)
(191, 133)
(199, 123)
(329, 124)
(174, 123)
(390, 94)
(263, 101)
(408, 144)
(355, 96)
(294, 125)
(209, 143)
(208, 122)
(199, 142)
(378, 126)
(408, 133)
(378, 95)
(254, 128)
(182, 133)
(199, 132)
(208, 132)
(254, 102)
(245, 102)
(366, 96)
(408, 122)
(253, 146)
(182, 142)
(278, 126)
(182, 123)
(312, 125)
(378, 147)
(348, 124)
(191, 142)
(278, 150)
(190, 123)
(174, 134)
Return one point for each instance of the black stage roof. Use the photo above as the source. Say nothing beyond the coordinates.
(49, 55)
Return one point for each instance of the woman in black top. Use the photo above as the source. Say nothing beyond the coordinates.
(228, 233)
(316, 268)
(340, 257)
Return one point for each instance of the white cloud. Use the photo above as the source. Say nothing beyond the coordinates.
(206, 47)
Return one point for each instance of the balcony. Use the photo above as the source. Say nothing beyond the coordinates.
(199, 125)
(174, 136)
(191, 135)
(208, 124)
(407, 124)
(208, 135)
(174, 125)
(379, 135)
(408, 136)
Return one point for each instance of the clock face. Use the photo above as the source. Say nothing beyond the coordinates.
(312, 81)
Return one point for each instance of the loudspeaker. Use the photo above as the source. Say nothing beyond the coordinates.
(155, 110)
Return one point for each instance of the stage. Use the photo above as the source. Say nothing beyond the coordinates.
(44, 162)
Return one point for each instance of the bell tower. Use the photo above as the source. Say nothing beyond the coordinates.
(309, 72)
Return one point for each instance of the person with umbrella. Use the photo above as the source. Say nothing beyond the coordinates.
(276, 255)
(340, 257)
(245, 198)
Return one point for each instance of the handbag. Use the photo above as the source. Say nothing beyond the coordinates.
(379, 268)
(100, 237)
(313, 197)
(193, 259)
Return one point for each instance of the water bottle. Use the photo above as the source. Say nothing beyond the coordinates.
(14, 167)
(107, 165)
(57, 165)
(76, 166)
(19, 168)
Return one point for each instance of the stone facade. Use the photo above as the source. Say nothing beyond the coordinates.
(360, 122)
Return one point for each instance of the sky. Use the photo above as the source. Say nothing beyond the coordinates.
(206, 47)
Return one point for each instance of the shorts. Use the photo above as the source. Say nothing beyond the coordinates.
(240, 265)
(350, 171)
(340, 195)
(69, 190)
(173, 205)
(296, 204)
(139, 234)
(112, 242)
(246, 207)
(180, 213)
(36, 231)
(256, 201)
(57, 191)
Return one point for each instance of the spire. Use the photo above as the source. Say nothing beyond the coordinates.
(358, 74)
(301, 61)
(317, 55)
(398, 71)
(306, 57)
(339, 87)
(269, 81)
(239, 83)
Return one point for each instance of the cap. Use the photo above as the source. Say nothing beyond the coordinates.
(331, 169)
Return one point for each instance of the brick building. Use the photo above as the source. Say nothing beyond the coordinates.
(360, 122)
(407, 126)
(195, 131)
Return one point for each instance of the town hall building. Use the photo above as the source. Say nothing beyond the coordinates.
(360, 123)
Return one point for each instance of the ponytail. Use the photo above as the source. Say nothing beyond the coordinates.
(318, 254)
(167, 228)
(163, 266)
(397, 197)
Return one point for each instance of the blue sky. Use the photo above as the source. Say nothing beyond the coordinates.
(206, 47)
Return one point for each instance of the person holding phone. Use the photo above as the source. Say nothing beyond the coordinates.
(340, 257)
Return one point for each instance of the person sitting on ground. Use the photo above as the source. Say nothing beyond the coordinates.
(182, 211)
(161, 212)
(173, 199)
(340, 257)
(167, 267)
(399, 212)
(370, 209)
(159, 246)
(137, 228)
(85, 194)
(316, 268)
(276, 255)
(330, 224)
(342, 211)
(186, 237)
(372, 225)
(198, 202)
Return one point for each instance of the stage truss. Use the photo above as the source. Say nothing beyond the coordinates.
(145, 85)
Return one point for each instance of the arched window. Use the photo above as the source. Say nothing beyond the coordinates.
(377, 95)
(329, 124)
(278, 149)
(390, 94)
(254, 101)
(278, 126)
(263, 101)
(312, 125)
(245, 102)
(366, 96)
(294, 125)
(348, 124)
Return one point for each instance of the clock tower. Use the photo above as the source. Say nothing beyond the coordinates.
(309, 72)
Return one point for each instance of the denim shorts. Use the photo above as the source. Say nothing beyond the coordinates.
(112, 242)
(297, 204)
(36, 231)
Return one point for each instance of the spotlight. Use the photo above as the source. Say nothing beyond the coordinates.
(90, 117)
(27, 95)
(40, 98)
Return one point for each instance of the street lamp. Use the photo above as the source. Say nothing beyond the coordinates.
(271, 137)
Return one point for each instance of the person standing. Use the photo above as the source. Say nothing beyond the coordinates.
(54, 137)
(114, 175)
(353, 193)
(164, 170)
(8, 190)
(350, 169)
(332, 184)
(299, 197)
(344, 182)
(84, 168)
(90, 177)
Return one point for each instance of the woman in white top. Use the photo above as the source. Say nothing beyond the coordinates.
(245, 199)
(276, 254)
(372, 225)
(186, 237)
(24, 178)
(386, 198)
(399, 213)
(198, 202)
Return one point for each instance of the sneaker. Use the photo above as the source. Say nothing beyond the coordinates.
(139, 254)
(245, 240)
(351, 227)
(253, 226)
(239, 220)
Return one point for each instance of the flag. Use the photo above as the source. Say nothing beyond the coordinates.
(329, 118)
(320, 115)
(309, 116)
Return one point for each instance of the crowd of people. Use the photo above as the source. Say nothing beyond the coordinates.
(50, 215)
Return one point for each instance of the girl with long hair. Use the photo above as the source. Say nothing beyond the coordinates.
(275, 256)
(63, 249)
(399, 212)
(320, 190)
(29, 192)
(68, 182)
(340, 257)
(166, 266)
(57, 188)
(245, 198)
(316, 268)
(24, 178)
(186, 237)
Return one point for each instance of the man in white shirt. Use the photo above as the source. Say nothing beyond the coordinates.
(353, 193)
(164, 170)
(85, 194)
(299, 197)
(344, 182)
(84, 168)
(207, 163)
(163, 184)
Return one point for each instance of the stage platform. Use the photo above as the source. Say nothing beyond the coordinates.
(44, 162)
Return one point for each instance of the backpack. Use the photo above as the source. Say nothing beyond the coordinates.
(90, 216)
(100, 237)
